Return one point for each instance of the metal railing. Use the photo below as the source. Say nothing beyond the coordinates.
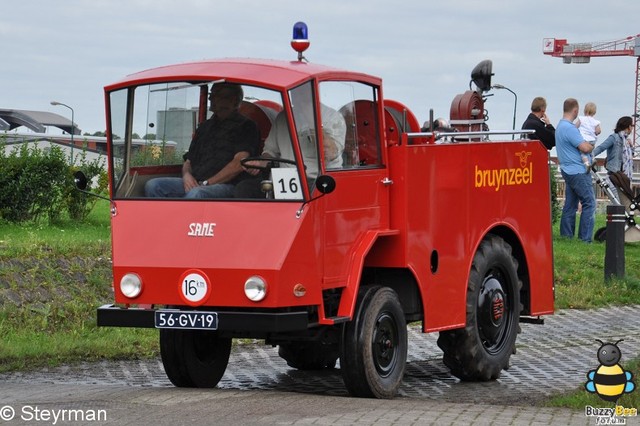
(463, 137)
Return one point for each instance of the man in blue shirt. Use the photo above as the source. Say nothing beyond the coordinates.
(578, 185)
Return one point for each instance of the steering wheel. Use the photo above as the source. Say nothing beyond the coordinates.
(270, 160)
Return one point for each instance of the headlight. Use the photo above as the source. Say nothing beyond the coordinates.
(131, 285)
(255, 288)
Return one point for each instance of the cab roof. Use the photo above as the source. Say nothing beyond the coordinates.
(267, 73)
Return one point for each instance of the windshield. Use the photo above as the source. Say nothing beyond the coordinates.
(219, 140)
(186, 139)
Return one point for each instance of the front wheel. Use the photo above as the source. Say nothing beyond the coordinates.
(374, 345)
(194, 358)
(481, 350)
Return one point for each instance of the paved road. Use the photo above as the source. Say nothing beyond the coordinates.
(259, 388)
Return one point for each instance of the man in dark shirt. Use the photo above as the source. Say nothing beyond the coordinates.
(212, 164)
(539, 122)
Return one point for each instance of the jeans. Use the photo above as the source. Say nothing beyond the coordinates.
(578, 188)
(170, 187)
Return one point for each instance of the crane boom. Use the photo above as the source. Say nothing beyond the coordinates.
(581, 52)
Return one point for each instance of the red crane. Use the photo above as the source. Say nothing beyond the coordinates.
(581, 53)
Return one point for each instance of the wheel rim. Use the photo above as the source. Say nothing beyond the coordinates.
(385, 344)
(494, 309)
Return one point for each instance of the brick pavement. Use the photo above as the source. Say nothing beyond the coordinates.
(259, 388)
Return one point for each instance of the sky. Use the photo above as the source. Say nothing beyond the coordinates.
(424, 51)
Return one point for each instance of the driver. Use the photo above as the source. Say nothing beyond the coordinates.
(212, 166)
(279, 145)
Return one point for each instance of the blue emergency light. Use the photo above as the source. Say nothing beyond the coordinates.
(300, 41)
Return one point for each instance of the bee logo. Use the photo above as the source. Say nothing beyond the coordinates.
(609, 381)
(523, 156)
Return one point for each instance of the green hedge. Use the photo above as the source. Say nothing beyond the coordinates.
(555, 204)
(37, 184)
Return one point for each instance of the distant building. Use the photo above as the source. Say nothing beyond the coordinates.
(92, 147)
(36, 121)
(178, 125)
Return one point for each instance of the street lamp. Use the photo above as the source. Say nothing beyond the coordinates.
(55, 103)
(515, 104)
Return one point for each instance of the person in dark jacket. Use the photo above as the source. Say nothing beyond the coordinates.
(212, 165)
(539, 122)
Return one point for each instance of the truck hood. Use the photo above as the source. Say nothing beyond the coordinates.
(185, 234)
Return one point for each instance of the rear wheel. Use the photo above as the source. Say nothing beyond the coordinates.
(482, 349)
(374, 345)
(194, 358)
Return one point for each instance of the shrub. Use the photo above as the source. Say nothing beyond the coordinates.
(37, 183)
(555, 204)
(32, 183)
(80, 204)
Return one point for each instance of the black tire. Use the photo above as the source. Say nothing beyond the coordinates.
(481, 350)
(600, 235)
(194, 358)
(309, 355)
(374, 345)
(170, 352)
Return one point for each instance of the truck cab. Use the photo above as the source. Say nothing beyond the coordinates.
(283, 230)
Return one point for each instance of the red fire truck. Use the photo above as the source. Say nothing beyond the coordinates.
(336, 256)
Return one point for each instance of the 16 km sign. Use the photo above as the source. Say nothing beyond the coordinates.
(194, 287)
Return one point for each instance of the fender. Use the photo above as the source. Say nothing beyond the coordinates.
(350, 293)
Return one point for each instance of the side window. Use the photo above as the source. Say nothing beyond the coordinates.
(305, 123)
(356, 105)
(118, 129)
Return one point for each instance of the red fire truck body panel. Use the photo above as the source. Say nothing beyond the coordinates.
(448, 187)
(267, 73)
(163, 250)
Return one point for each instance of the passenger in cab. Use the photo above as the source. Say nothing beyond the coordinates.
(279, 143)
(211, 167)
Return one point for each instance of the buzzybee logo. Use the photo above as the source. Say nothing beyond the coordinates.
(610, 381)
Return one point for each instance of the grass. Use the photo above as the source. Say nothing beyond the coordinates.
(68, 238)
(579, 274)
(52, 278)
(31, 349)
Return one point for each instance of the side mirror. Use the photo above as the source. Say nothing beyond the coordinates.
(80, 180)
(325, 184)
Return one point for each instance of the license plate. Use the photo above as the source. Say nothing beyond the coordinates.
(194, 320)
